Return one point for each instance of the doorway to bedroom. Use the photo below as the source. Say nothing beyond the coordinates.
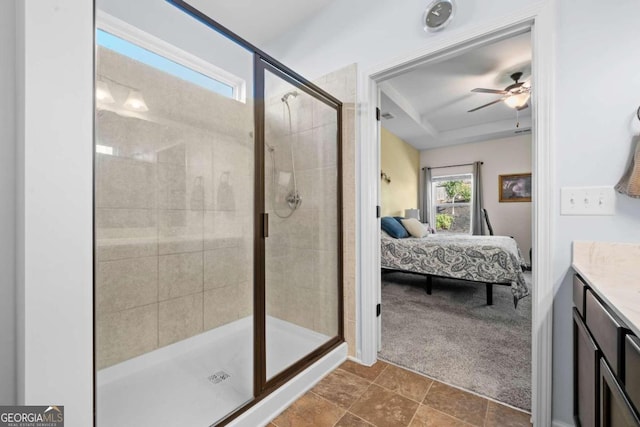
(456, 230)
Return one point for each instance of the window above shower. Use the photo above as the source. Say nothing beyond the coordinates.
(125, 39)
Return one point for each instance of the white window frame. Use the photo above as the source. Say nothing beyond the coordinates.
(453, 177)
(128, 32)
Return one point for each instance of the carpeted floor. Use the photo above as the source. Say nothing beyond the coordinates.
(453, 336)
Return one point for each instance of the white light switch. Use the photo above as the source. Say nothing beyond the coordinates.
(587, 201)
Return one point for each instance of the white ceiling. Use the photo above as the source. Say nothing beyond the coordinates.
(430, 101)
(259, 22)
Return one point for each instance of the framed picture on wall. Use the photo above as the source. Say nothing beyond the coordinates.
(515, 187)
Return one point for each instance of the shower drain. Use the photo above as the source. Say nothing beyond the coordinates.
(218, 377)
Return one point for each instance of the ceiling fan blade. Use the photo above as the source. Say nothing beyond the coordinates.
(483, 90)
(486, 105)
(523, 107)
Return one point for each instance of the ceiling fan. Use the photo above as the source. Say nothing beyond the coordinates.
(515, 95)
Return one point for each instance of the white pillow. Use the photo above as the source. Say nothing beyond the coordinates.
(414, 227)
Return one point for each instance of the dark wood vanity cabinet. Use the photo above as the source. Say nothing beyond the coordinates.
(585, 373)
(606, 364)
(615, 408)
(632, 370)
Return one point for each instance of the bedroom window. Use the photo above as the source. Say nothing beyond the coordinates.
(452, 196)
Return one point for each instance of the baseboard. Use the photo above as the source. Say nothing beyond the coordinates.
(557, 423)
(268, 408)
(355, 359)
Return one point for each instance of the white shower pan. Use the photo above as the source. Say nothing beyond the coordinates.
(197, 381)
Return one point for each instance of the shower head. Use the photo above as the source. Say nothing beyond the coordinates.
(286, 96)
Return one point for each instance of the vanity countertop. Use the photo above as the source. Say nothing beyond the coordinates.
(612, 270)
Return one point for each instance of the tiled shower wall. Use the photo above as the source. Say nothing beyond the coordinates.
(342, 85)
(302, 249)
(174, 213)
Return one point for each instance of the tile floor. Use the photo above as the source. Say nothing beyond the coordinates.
(385, 395)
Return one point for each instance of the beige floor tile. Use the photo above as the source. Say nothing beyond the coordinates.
(429, 417)
(407, 383)
(460, 404)
(341, 387)
(503, 416)
(310, 411)
(350, 420)
(367, 372)
(384, 408)
(390, 399)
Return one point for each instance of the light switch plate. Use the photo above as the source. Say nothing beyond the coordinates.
(587, 201)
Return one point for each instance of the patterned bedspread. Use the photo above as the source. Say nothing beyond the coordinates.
(492, 259)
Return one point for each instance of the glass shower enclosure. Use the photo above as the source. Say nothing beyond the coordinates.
(218, 225)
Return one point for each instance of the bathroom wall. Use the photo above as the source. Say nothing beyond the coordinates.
(401, 162)
(174, 212)
(8, 206)
(593, 131)
(302, 249)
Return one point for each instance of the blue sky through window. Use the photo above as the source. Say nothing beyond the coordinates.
(140, 54)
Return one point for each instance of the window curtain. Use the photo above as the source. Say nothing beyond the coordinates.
(427, 202)
(477, 226)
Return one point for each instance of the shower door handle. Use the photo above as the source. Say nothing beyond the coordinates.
(265, 225)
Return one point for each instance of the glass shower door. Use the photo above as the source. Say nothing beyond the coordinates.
(174, 202)
(218, 249)
(302, 200)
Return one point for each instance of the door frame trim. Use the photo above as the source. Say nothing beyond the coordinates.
(540, 19)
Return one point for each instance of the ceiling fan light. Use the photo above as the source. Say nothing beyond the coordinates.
(135, 101)
(517, 101)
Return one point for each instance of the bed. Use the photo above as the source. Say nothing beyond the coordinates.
(492, 260)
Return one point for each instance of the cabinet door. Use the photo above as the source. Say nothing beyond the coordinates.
(615, 409)
(585, 374)
(578, 294)
(632, 369)
(606, 330)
